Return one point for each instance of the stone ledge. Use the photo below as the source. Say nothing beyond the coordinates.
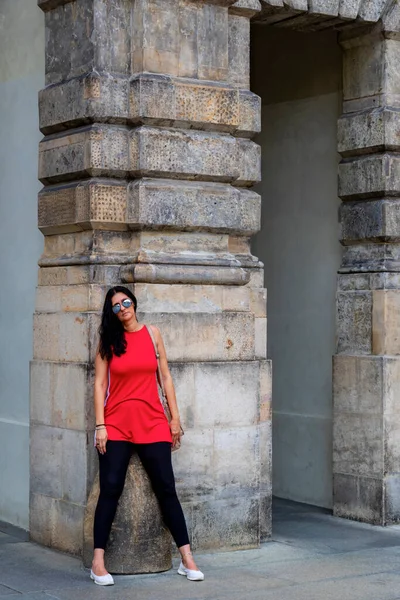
(371, 131)
(370, 220)
(371, 258)
(155, 204)
(118, 152)
(149, 99)
(371, 176)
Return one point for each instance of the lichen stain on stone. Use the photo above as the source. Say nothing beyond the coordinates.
(79, 320)
(229, 343)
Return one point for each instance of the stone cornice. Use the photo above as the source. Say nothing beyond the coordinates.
(47, 5)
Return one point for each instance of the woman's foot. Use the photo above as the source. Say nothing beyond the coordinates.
(102, 579)
(98, 572)
(188, 566)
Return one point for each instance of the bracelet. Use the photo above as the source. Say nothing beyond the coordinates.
(100, 426)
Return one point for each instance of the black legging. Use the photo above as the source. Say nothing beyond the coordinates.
(156, 460)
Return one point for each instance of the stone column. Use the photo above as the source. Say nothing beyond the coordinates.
(146, 165)
(367, 364)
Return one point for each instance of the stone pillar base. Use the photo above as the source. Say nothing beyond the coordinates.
(139, 543)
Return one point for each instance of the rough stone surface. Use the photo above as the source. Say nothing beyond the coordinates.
(110, 151)
(370, 176)
(147, 123)
(372, 220)
(138, 543)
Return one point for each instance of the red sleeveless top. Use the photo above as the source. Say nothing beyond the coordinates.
(133, 411)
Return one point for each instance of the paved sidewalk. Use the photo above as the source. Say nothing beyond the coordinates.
(313, 556)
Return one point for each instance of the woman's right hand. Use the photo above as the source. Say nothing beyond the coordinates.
(101, 439)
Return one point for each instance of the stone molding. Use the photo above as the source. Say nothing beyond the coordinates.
(312, 15)
(149, 99)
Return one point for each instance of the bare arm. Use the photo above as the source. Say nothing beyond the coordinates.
(100, 390)
(168, 385)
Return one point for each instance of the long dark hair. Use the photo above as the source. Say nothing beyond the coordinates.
(111, 330)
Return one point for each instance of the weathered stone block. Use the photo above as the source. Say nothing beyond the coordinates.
(374, 131)
(363, 67)
(90, 205)
(104, 38)
(138, 541)
(370, 220)
(245, 8)
(60, 394)
(357, 447)
(391, 385)
(249, 114)
(249, 156)
(103, 151)
(265, 432)
(348, 9)
(392, 499)
(192, 206)
(357, 384)
(236, 460)
(354, 322)
(193, 465)
(74, 298)
(155, 37)
(41, 518)
(212, 42)
(74, 466)
(370, 176)
(260, 337)
(220, 390)
(391, 436)
(184, 274)
(188, 51)
(191, 298)
(184, 154)
(265, 390)
(386, 322)
(205, 336)
(239, 59)
(96, 247)
(359, 498)
(80, 274)
(265, 517)
(64, 337)
(325, 7)
(151, 99)
(96, 151)
(67, 527)
(230, 523)
(46, 475)
(374, 258)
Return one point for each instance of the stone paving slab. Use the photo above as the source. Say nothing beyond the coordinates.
(311, 557)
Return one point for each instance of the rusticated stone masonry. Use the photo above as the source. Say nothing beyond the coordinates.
(147, 164)
(367, 365)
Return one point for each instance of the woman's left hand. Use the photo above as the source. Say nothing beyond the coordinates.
(175, 426)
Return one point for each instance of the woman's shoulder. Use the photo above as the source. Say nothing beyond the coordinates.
(153, 329)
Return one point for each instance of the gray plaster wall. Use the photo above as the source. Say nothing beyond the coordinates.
(21, 76)
(298, 77)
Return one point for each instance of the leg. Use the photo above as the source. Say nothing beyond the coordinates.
(156, 459)
(113, 466)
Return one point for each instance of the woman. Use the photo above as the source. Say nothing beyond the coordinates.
(130, 416)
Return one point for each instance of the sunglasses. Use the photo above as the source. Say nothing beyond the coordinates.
(126, 303)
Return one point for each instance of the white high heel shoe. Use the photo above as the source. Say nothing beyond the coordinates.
(102, 579)
(190, 574)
